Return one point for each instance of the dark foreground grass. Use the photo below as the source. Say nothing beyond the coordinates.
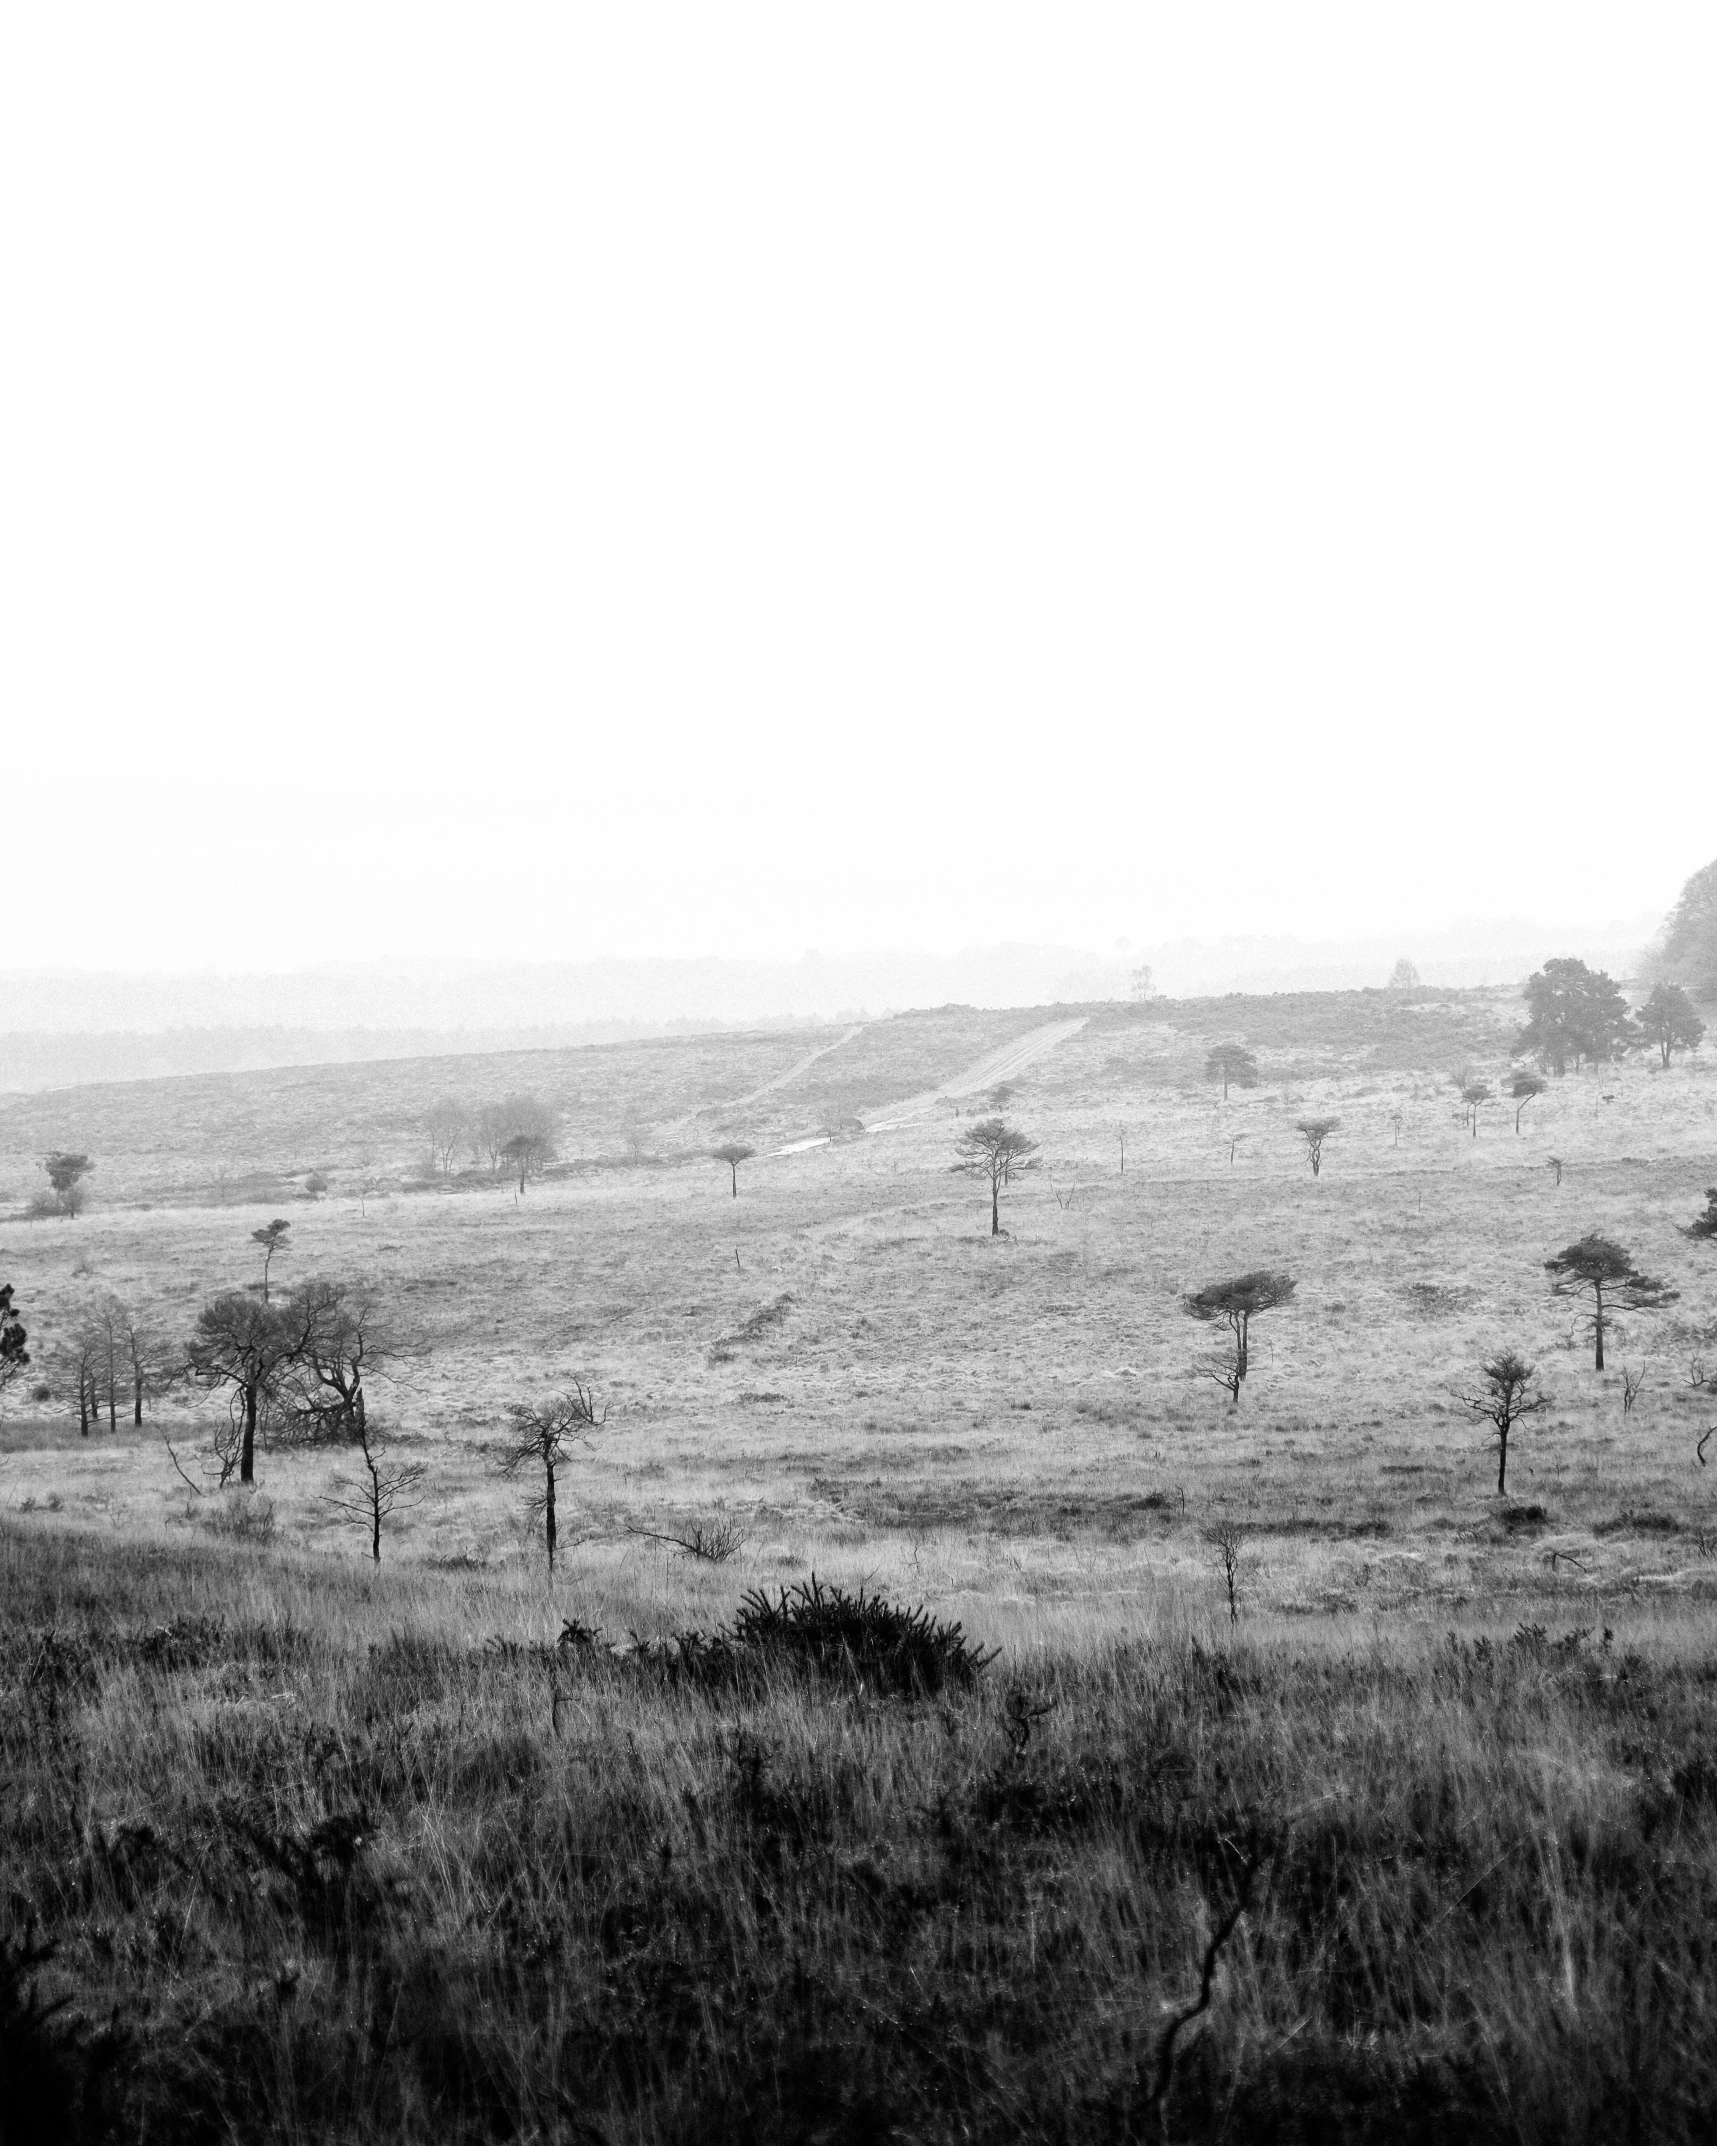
(265, 1874)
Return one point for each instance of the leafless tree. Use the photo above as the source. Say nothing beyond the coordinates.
(1632, 1384)
(733, 1153)
(1510, 1391)
(445, 1126)
(1397, 1119)
(1231, 1063)
(998, 1151)
(1235, 1303)
(1604, 1271)
(1404, 976)
(541, 1434)
(1554, 1162)
(387, 1485)
(272, 1238)
(1315, 1131)
(343, 1338)
(1225, 1538)
(1142, 983)
(150, 1358)
(1524, 1087)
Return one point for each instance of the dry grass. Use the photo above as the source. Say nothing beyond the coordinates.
(347, 1869)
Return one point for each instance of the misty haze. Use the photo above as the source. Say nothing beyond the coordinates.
(858, 1152)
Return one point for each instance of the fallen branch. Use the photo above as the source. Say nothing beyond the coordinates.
(1182, 2019)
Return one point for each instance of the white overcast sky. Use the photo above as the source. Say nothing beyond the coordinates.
(543, 482)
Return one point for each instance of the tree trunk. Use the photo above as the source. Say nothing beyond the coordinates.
(548, 1510)
(247, 1452)
(83, 1406)
(995, 1208)
(1598, 1324)
(137, 1399)
(734, 1167)
(112, 1398)
(1502, 1459)
(375, 1510)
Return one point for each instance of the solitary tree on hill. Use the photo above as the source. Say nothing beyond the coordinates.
(272, 1238)
(1523, 1088)
(1235, 1303)
(66, 1173)
(541, 1434)
(1668, 1019)
(733, 1153)
(1605, 1271)
(1573, 1014)
(1232, 1064)
(998, 1151)
(1404, 976)
(1314, 1132)
(1510, 1391)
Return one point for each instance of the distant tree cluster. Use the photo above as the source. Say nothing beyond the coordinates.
(514, 1137)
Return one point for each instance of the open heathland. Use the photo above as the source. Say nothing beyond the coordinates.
(1272, 1713)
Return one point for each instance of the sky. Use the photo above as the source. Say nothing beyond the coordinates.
(545, 483)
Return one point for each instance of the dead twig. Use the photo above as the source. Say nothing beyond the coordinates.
(1157, 2099)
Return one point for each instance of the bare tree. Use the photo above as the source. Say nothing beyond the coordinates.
(342, 1339)
(1604, 1271)
(1524, 1088)
(1231, 1063)
(272, 1237)
(149, 1358)
(998, 1151)
(1225, 1538)
(1142, 983)
(445, 1126)
(1235, 1303)
(488, 1133)
(733, 1154)
(79, 1358)
(1404, 976)
(1315, 1131)
(66, 1173)
(1510, 1391)
(1632, 1384)
(541, 1434)
(14, 1354)
(387, 1485)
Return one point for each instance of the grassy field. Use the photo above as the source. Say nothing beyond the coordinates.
(324, 1851)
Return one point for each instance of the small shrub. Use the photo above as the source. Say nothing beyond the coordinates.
(826, 1629)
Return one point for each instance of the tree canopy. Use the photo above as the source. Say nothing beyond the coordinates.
(994, 1149)
(1687, 949)
(1599, 1267)
(1232, 1064)
(1669, 1020)
(1573, 1014)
